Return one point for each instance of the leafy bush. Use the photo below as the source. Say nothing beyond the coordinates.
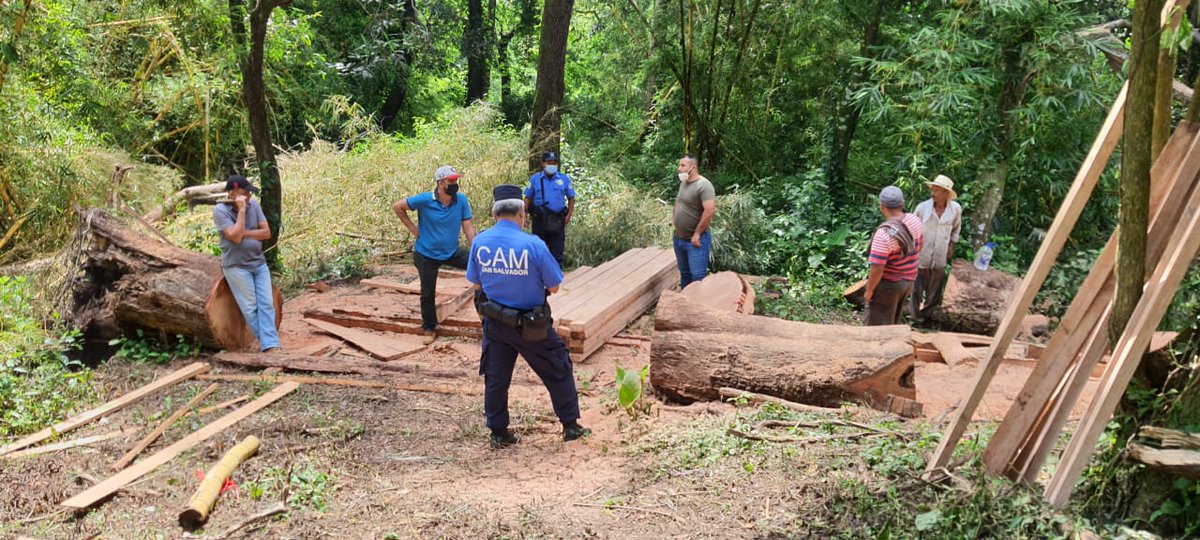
(39, 384)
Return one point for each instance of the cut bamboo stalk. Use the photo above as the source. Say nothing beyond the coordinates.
(73, 443)
(107, 408)
(1064, 221)
(162, 427)
(1160, 289)
(114, 483)
(201, 503)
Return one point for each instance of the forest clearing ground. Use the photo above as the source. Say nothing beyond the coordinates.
(370, 463)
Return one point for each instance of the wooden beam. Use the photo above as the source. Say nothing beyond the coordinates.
(114, 483)
(1031, 419)
(162, 427)
(333, 381)
(322, 364)
(381, 347)
(108, 408)
(73, 443)
(1185, 463)
(386, 325)
(1160, 289)
(1072, 206)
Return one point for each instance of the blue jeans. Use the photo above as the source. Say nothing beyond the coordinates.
(252, 289)
(692, 260)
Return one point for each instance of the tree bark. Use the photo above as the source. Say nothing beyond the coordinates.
(848, 112)
(546, 123)
(398, 97)
(697, 349)
(1135, 164)
(477, 48)
(254, 97)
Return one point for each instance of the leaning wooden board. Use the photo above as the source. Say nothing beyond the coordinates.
(117, 481)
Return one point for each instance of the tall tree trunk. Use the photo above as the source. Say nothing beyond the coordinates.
(506, 99)
(847, 112)
(993, 179)
(1163, 82)
(476, 47)
(237, 25)
(254, 97)
(398, 96)
(546, 123)
(18, 26)
(1135, 164)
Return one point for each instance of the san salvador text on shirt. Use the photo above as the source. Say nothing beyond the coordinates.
(502, 261)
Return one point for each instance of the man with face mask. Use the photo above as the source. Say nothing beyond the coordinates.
(694, 208)
(440, 214)
(550, 201)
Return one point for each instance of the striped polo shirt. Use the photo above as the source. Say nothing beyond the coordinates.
(885, 250)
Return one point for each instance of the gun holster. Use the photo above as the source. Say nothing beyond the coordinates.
(534, 324)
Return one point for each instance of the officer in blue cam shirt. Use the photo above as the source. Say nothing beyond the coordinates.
(515, 272)
(550, 201)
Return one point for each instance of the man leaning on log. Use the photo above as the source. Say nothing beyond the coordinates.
(895, 246)
(243, 227)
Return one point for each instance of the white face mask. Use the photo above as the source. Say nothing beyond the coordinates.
(683, 176)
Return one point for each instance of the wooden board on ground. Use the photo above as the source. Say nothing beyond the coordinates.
(697, 350)
(723, 290)
(113, 483)
(380, 346)
(73, 443)
(445, 286)
(334, 381)
(321, 364)
(110, 407)
(386, 325)
(228, 326)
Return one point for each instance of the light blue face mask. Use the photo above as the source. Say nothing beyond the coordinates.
(551, 169)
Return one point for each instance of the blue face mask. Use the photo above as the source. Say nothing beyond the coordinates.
(551, 169)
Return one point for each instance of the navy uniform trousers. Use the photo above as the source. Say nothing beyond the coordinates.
(548, 358)
(556, 241)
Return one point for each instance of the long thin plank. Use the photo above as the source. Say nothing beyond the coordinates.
(113, 483)
(73, 443)
(149, 439)
(1160, 289)
(385, 325)
(106, 409)
(321, 364)
(575, 276)
(600, 286)
(381, 347)
(1023, 423)
(445, 286)
(334, 381)
(1064, 221)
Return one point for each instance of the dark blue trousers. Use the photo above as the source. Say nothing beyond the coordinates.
(549, 359)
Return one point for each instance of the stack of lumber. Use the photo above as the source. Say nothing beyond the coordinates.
(597, 303)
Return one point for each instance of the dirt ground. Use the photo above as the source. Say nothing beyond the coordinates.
(377, 463)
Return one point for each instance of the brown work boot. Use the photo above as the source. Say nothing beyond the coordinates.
(430, 337)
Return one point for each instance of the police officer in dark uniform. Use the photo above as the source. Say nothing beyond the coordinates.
(550, 201)
(515, 272)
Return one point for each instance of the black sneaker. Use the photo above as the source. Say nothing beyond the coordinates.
(575, 431)
(504, 439)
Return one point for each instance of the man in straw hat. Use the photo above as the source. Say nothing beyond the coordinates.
(941, 219)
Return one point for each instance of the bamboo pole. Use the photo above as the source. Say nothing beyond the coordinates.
(206, 495)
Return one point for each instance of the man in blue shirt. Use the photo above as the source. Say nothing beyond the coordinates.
(440, 214)
(516, 272)
(550, 200)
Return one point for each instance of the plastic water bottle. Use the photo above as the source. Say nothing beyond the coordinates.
(983, 256)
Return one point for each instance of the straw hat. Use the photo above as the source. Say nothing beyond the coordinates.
(944, 182)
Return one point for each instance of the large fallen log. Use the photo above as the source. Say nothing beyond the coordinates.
(697, 349)
(131, 281)
(974, 300)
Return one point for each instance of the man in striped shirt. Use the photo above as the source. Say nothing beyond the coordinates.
(895, 247)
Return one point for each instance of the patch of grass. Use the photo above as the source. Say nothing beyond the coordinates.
(39, 384)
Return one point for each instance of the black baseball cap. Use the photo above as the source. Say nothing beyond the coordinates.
(504, 192)
(550, 155)
(239, 181)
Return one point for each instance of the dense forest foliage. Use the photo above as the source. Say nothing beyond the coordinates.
(799, 111)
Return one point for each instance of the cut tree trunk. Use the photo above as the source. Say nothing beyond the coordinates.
(130, 281)
(697, 350)
(723, 290)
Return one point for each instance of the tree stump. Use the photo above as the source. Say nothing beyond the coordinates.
(697, 349)
(130, 281)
